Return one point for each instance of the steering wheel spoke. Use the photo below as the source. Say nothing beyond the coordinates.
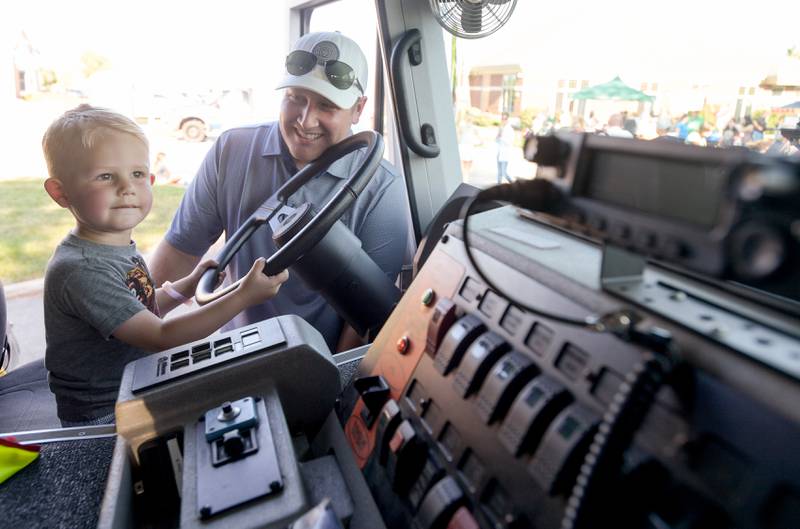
(317, 227)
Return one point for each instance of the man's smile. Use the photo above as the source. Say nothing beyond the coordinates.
(308, 136)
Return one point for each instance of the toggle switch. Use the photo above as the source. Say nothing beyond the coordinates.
(503, 384)
(458, 338)
(444, 314)
(531, 413)
(406, 457)
(439, 504)
(478, 360)
(556, 463)
(374, 392)
(388, 420)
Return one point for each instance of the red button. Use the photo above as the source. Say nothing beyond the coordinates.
(403, 344)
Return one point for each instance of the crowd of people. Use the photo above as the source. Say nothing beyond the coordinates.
(690, 128)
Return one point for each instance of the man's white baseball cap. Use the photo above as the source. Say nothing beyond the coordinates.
(329, 46)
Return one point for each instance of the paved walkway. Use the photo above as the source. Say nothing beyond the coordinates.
(26, 316)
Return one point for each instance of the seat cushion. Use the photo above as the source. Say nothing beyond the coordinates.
(26, 402)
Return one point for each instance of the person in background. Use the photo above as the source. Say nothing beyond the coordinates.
(161, 170)
(505, 143)
(614, 127)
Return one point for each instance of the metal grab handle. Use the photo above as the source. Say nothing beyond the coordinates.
(399, 51)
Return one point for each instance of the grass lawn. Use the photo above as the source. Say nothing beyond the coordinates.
(31, 225)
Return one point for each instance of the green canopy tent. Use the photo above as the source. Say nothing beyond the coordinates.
(614, 90)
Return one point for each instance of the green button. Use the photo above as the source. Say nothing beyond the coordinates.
(427, 297)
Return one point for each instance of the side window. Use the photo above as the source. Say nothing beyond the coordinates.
(338, 16)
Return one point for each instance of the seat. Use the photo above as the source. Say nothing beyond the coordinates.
(26, 402)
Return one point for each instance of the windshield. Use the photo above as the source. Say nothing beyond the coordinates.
(709, 74)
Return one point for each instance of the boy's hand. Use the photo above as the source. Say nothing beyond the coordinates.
(257, 286)
(194, 278)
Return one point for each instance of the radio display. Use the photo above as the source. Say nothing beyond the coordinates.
(676, 189)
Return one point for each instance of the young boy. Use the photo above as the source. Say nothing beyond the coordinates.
(101, 308)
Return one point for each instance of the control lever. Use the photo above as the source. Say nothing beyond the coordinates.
(374, 391)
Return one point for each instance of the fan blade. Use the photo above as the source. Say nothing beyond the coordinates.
(471, 17)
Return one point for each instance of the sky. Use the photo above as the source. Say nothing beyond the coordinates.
(698, 40)
(237, 41)
(154, 39)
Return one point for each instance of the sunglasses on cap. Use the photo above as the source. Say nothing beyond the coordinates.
(340, 74)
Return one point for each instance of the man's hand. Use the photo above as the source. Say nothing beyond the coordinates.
(257, 287)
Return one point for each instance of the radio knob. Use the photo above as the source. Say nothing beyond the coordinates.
(675, 249)
(757, 251)
(546, 150)
(647, 240)
(598, 223)
(622, 231)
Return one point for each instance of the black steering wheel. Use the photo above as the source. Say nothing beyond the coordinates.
(313, 232)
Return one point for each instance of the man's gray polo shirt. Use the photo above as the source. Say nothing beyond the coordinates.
(244, 168)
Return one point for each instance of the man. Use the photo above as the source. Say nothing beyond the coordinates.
(614, 127)
(325, 83)
(505, 143)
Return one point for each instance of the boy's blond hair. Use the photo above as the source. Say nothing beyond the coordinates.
(69, 137)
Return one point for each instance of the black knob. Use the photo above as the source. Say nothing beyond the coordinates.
(233, 444)
(757, 251)
(546, 150)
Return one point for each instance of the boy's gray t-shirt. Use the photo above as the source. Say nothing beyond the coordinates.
(90, 290)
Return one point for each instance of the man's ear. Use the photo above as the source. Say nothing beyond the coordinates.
(358, 108)
(56, 191)
(152, 179)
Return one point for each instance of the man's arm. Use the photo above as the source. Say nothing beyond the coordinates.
(349, 339)
(170, 264)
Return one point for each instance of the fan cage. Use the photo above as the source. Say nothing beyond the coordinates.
(472, 19)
